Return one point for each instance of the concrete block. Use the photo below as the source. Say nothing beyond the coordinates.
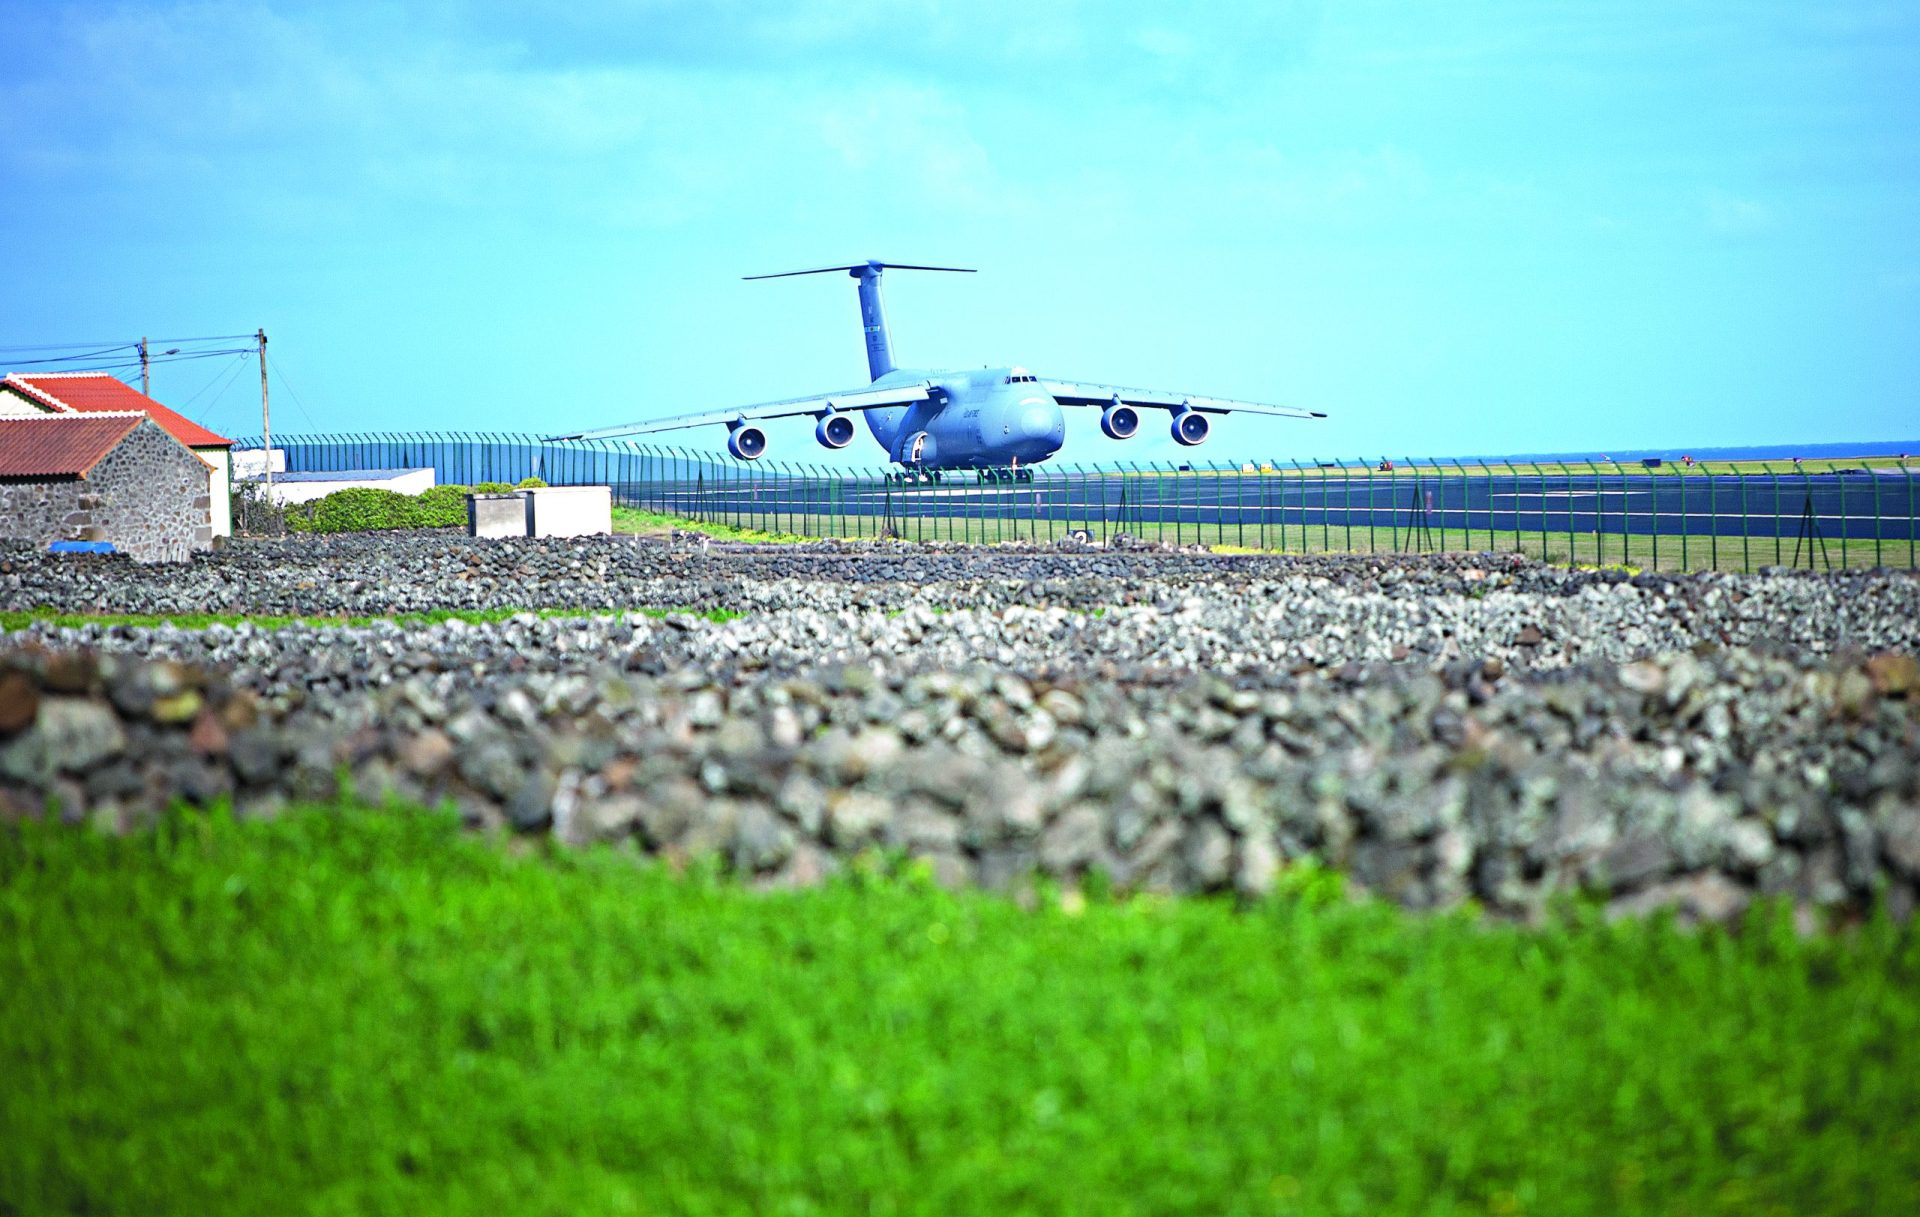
(497, 515)
(569, 511)
(253, 462)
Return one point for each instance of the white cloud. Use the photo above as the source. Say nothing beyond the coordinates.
(1736, 215)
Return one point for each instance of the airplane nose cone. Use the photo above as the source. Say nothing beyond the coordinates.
(1039, 422)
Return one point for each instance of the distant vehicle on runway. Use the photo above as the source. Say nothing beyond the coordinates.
(998, 422)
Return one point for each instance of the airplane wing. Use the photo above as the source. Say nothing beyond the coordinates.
(1084, 393)
(850, 401)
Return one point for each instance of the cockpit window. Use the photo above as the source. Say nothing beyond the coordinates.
(1020, 376)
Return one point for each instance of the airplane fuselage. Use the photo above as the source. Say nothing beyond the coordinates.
(983, 418)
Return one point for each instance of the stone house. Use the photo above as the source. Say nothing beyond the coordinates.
(96, 476)
(32, 394)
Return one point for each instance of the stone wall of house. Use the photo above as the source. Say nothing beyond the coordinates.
(148, 497)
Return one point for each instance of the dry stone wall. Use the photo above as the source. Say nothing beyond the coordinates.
(1684, 782)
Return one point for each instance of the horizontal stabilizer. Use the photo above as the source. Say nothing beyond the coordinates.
(856, 267)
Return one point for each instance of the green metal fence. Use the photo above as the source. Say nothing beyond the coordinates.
(1712, 516)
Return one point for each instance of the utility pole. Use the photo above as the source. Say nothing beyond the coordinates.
(143, 367)
(266, 426)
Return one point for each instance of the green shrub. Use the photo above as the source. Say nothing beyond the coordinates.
(351, 1011)
(530, 483)
(363, 508)
(359, 509)
(444, 506)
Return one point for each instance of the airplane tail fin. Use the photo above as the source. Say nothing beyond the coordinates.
(873, 316)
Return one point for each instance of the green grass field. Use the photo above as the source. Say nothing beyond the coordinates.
(1669, 552)
(641, 522)
(365, 1013)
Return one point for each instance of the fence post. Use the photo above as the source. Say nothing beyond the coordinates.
(1417, 536)
(1461, 476)
(1346, 496)
(1713, 520)
(1684, 529)
(1840, 480)
(1746, 519)
(1373, 539)
(1573, 544)
(1773, 479)
(1813, 519)
(1240, 504)
(1906, 475)
(1279, 511)
(1540, 489)
(1875, 483)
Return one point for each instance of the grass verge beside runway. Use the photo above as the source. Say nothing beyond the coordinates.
(1667, 552)
(640, 522)
(346, 1011)
(20, 620)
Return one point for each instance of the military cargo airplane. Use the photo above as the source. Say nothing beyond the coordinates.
(998, 422)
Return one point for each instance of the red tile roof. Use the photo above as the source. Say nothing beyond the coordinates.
(60, 445)
(92, 392)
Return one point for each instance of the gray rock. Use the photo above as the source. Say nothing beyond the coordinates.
(1209, 856)
(760, 840)
(69, 735)
(1705, 897)
(1636, 860)
(1075, 839)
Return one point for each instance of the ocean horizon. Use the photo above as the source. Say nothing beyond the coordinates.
(1748, 452)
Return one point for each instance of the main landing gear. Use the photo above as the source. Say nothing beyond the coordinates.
(915, 477)
(1013, 474)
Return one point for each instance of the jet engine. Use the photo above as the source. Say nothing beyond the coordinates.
(1190, 427)
(1119, 422)
(834, 431)
(747, 443)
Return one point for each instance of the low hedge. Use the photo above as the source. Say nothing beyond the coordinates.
(367, 509)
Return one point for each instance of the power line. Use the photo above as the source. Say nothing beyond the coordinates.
(28, 363)
(67, 346)
(229, 373)
(232, 374)
(114, 358)
(274, 364)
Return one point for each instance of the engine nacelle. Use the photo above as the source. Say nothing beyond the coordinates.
(747, 443)
(1190, 427)
(1119, 422)
(834, 430)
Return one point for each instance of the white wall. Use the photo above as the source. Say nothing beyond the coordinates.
(413, 481)
(220, 487)
(569, 511)
(12, 405)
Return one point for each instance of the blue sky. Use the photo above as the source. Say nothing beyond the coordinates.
(1476, 227)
